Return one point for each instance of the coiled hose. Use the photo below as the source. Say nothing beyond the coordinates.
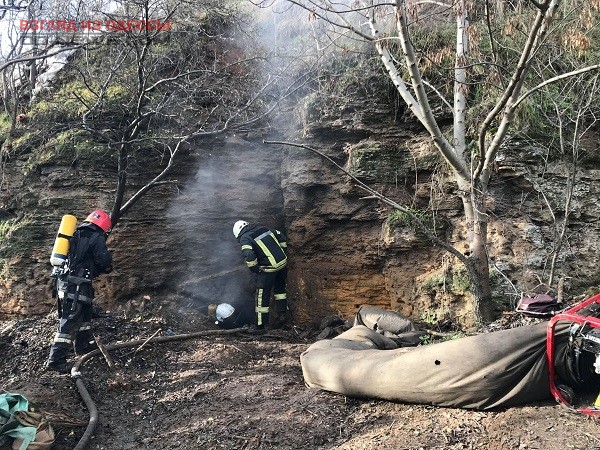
(76, 374)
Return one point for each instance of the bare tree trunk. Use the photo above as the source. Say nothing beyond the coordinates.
(461, 88)
(480, 273)
(476, 220)
(477, 258)
(14, 102)
(478, 286)
(121, 184)
(33, 67)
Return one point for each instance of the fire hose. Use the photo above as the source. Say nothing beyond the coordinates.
(87, 399)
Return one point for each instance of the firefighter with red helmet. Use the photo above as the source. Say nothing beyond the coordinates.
(88, 257)
(264, 250)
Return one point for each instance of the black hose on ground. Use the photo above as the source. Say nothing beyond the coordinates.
(89, 403)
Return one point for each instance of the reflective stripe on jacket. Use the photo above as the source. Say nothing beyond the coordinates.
(263, 248)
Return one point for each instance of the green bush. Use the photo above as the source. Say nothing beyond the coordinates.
(455, 280)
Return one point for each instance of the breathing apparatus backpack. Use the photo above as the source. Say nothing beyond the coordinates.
(60, 251)
(68, 253)
(60, 255)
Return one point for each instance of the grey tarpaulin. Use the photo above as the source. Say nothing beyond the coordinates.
(389, 323)
(485, 371)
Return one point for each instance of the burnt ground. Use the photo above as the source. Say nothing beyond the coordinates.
(245, 391)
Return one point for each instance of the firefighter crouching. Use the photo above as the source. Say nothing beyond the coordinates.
(264, 250)
(228, 316)
(88, 257)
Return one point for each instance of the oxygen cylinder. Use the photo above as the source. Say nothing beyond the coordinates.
(60, 251)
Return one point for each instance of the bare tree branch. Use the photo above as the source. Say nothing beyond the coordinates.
(37, 57)
(554, 80)
(382, 198)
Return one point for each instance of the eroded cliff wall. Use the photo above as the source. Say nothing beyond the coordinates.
(176, 241)
(351, 250)
(345, 248)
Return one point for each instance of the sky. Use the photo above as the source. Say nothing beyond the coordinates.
(10, 23)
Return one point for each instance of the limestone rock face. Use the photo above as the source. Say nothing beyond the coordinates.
(350, 250)
(346, 249)
(178, 239)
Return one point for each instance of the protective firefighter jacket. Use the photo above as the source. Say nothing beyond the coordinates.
(88, 256)
(263, 248)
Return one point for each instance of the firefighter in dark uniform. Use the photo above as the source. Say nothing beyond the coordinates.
(88, 257)
(228, 316)
(264, 250)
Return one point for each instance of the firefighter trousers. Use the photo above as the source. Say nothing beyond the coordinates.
(74, 330)
(265, 283)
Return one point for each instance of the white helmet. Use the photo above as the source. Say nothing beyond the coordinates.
(237, 227)
(224, 310)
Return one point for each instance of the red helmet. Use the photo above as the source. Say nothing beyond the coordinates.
(101, 219)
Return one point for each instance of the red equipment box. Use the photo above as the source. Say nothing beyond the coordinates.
(583, 355)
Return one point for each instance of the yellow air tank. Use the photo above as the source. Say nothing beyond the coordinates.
(60, 251)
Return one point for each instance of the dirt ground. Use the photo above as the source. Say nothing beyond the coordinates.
(245, 391)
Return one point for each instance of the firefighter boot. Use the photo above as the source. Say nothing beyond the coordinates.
(57, 360)
(60, 367)
(281, 320)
